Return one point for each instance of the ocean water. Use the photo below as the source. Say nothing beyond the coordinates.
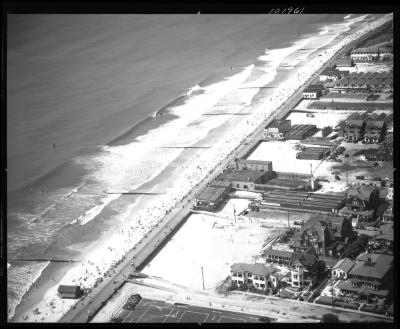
(93, 99)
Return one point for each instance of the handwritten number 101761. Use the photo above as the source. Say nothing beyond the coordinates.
(289, 10)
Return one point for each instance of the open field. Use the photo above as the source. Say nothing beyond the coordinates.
(211, 242)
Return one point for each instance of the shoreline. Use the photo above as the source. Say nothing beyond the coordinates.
(129, 253)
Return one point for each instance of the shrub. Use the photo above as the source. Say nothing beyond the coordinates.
(329, 318)
(267, 291)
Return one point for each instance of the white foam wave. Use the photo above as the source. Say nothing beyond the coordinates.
(93, 212)
(348, 16)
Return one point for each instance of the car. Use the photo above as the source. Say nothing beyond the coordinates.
(360, 177)
(264, 319)
(375, 164)
(346, 155)
(337, 177)
(310, 115)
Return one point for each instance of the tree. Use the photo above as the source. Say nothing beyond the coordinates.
(242, 287)
(267, 291)
(329, 318)
(250, 287)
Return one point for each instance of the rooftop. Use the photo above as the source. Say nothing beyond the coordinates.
(312, 88)
(256, 269)
(211, 193)
(372, 265)
(242, 175)
(344, 264)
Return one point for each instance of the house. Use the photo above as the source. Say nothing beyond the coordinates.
(354, 130)
(277, 129)
(330, 75)
(313, 91)
(374, 131)
(388, 215)
(70, 291)
(360, 199)
(325, 233)
(368, 54)
(259, 275)
(344, 64)
(371, 271)
(385, 53)
(386, 235)
(245, 179)
(244, 164)
(211, 197)
(301, 131)
(342, 268)
(371, 276)
(304, 269)
(279, 256)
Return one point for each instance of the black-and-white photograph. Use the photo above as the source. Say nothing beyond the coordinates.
(200, 167)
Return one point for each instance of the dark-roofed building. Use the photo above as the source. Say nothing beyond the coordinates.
(313, 91)
(379, 154)
(359, 199)
(374, 131)
(211, 197)
(354, 130)
(325, 233)
(386, 235)
(367, 53)
(373, 271)
(70, 291)
(245, 179)
(277, 129)
(259, 275)
(387, 216)
(304, 268)
(342, 268)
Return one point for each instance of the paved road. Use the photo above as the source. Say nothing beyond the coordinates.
(154, 238)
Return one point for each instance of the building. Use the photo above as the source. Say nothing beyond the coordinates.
(330, 75)
(386, 235)
(354, 130)
(300, 132)
(279, 256)
(385, 53)
(388, 215)
(245, 179)
(374, 131)
(211, 198)
(277, 129)
(344, 64)
(313, 91)
(371, 274)
(325, 233)
(367, 54)
(342, 268)
(70, 291)
(364, 83)
(360, 199)
(254, 165)
(259, 275)
(304, 269)
(380, 154)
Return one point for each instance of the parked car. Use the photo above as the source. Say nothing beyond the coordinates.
(337, 177)
(310, 115)
(360, 177)
(375, 164)
(346, 155)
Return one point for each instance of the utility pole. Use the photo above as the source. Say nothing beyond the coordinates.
(288, 223)
(202, 276)
(234, 213)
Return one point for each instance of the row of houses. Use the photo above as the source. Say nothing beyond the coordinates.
(368, 131)
(364, 83)
(371, 53)
(303, 271)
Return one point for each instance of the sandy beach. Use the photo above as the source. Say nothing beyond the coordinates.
(102, 256)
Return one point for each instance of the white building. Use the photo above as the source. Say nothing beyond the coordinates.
(385, 53)
(342, 268)
(259, 275)
(370, 53)
(313, 91)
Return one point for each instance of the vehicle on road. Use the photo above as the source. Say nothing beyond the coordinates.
(360, 177)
